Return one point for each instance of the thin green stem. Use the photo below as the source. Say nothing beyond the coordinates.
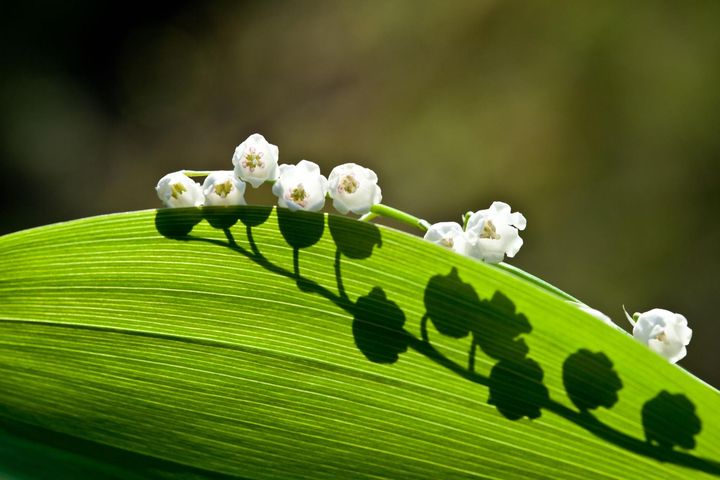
(197, 173)
(389, 212)
(368, 217)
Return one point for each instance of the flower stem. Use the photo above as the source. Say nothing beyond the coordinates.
(381, 210)
(197, 173)
(368, 217)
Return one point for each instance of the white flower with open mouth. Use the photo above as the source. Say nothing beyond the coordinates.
(447, 234)
(493, 233)
(300, 187)
(223, 188)
(663, 331)
(353, 188)
(178, 190)
(256, 160)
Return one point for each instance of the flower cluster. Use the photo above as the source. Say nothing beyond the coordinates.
(488, 235)
(351, 187)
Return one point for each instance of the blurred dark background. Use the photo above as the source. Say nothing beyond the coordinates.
(597, 120)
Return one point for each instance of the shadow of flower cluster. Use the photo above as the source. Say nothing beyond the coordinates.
(453, 307)
(456, 311)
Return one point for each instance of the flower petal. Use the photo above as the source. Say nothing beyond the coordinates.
(300, 187)
(353, 188)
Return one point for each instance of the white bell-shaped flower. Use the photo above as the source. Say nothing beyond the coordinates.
(300, 187)
(493, 233)
(353, 188)
(663, 331)
(447, 234)
(178, 190)
(223, 188)
(256, 160)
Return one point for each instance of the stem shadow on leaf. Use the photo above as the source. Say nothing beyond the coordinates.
(514, 384)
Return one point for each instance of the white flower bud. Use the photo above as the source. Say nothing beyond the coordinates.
(300, 187)
(493, 233)
(223, 188)
(178, 190)
(256, 160)
(447, 234)
(353, 188)
(663, 331)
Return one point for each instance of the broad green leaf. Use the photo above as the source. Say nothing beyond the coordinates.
(255, 343)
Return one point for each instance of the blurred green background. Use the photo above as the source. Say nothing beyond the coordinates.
(597, 120)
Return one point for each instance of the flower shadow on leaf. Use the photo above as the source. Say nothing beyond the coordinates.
(378, 323)
(379, 333)
(451, 305)
(498, 327)
(455, 310)
(590, 380)
(300, 229)
(177, 223)
(221, 217)
(669, 420)
(226, 217)
(354, 239)
(516, 389)
(378, 327)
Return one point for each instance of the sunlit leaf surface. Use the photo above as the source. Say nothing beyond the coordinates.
(256, 343)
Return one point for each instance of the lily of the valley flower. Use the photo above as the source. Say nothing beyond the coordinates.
(256, 160)
(178, 190)
(663, 331)
(300, 187)
(353, 188)
(447, 234)
(493, 233)
(223, 188)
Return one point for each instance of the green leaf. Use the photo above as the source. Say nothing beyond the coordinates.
(255, 343)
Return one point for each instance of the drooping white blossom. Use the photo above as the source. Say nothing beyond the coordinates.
(178, 190)
(223, 188)
(663, 331)
(447, 234)
(256, 160)
(493, 233)
(300, 187)
(353, 188)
